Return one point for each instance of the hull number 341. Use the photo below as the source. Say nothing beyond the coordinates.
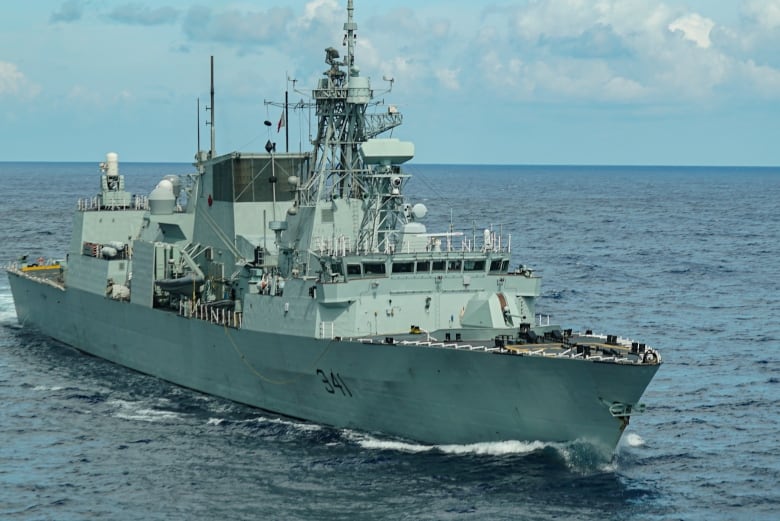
(334, 382)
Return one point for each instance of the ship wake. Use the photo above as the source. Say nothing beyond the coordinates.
(578, 456)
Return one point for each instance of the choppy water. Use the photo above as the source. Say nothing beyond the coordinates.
(687, 259)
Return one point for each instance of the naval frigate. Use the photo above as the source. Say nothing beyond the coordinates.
(306, 284)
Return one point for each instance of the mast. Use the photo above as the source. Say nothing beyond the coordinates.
(340, 172)
(213, 134)
(286, 122)
(350, 27)
(341, 98)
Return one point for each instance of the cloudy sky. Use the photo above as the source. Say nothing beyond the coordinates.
(669, 82)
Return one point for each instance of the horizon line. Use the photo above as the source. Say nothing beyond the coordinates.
(557, 165)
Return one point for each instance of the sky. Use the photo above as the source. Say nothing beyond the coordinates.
(604, 82)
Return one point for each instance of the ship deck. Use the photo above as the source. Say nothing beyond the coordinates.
(50, 274)
(595, 348)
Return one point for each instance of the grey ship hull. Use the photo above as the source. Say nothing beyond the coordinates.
(433, 395)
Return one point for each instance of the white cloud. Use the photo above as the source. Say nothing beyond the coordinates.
(14, 83)
(765, 79)
(584, 79)
(82, 95)
(10, 78)
(321, 12)
(695, 28)
(91, 98)
(69, 11)
(510, 77)
(555, 18)
(137, 14)
(232, 26)
(765, 13)
(609, 51)
(623, 89)
(448, 78)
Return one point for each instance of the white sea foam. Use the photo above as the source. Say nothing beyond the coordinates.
(496, 448)
(44, 388)
(138, 411)
(400, 446)
(633, 439)
(305, 427)
(493, 448)
(578, 456)
(585, 458)
(299, 426)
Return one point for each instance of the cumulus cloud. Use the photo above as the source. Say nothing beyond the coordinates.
(606, 51)
(552, 19)
(758, 35)
(236, 27)
(412, 48)
(320, 12)
(623, 89)
(138, 14)
(695, 28)
(765, 13)
(621, 51)
(82, 95)
(766, 80)
(578, 80)
(448, 78)
(69, 11)
(92, 97)
(14, 83)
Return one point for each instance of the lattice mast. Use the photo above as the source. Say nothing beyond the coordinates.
(339, 169)
(340, 110)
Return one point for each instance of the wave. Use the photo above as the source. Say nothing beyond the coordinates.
(578, 456)
(45, 388)
(140, 411)
(632, 439)
(268, 421)
(493, 448)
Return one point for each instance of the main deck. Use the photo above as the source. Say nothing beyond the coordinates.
(554, 344)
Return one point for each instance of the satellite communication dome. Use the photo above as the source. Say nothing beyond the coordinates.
(175, 183)
(161, 200)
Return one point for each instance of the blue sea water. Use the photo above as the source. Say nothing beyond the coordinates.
(685, 259)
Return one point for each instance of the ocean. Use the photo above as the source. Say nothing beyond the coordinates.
(685, 259)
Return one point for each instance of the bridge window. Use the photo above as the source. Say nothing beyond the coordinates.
(403, 267)
(423, 266)
(353, 269)
(374, 268)
(474, 265)
(438, 265)
(453, 265)
(499, 265)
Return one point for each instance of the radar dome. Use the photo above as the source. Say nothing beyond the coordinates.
(175, 183)
(419, 211)
(161, 200)
(112, 164)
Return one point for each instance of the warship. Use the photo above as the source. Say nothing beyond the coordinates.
(307, 285)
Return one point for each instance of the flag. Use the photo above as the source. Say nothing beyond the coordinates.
(281, 122)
